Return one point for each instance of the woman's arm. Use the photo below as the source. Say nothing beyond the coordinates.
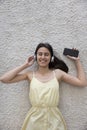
(14, 76)
(80, 79)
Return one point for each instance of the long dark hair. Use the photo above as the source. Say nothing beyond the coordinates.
(56, 63)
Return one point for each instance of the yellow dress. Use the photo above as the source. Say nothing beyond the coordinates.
(44, 113)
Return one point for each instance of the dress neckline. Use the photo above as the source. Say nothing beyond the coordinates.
(44, 82)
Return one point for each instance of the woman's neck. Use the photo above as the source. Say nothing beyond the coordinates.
(43, 70)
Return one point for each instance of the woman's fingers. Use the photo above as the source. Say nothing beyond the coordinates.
(72, 57)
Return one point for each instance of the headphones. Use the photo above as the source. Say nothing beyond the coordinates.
(52, 59)
(34, 57)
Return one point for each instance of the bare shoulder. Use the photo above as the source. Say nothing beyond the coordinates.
(59, 73)
(29, 75)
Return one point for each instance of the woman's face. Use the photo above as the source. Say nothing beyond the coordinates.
(43, 57)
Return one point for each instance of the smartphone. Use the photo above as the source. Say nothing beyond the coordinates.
(71, 52)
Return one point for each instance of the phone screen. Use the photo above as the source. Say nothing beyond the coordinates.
(70, 52)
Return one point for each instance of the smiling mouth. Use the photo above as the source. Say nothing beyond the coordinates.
(42, 61)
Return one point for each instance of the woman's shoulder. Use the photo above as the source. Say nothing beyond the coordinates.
(58, 73)
(29, 75)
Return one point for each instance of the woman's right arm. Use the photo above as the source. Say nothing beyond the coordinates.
(14, 76)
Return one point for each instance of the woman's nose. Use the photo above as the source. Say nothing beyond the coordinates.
(43, 56)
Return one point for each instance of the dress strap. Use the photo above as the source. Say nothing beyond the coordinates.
(54, 73)
(33, 74)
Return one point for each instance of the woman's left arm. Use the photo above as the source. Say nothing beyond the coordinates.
(80, 79)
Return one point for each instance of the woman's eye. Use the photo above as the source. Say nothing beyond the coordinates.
(40, 54)
(46, 54)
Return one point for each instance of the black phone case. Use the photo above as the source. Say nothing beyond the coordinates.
(70, 52)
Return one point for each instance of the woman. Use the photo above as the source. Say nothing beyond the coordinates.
(44, 87)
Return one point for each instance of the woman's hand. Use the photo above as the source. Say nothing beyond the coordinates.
(72, 57)
(30, 61)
